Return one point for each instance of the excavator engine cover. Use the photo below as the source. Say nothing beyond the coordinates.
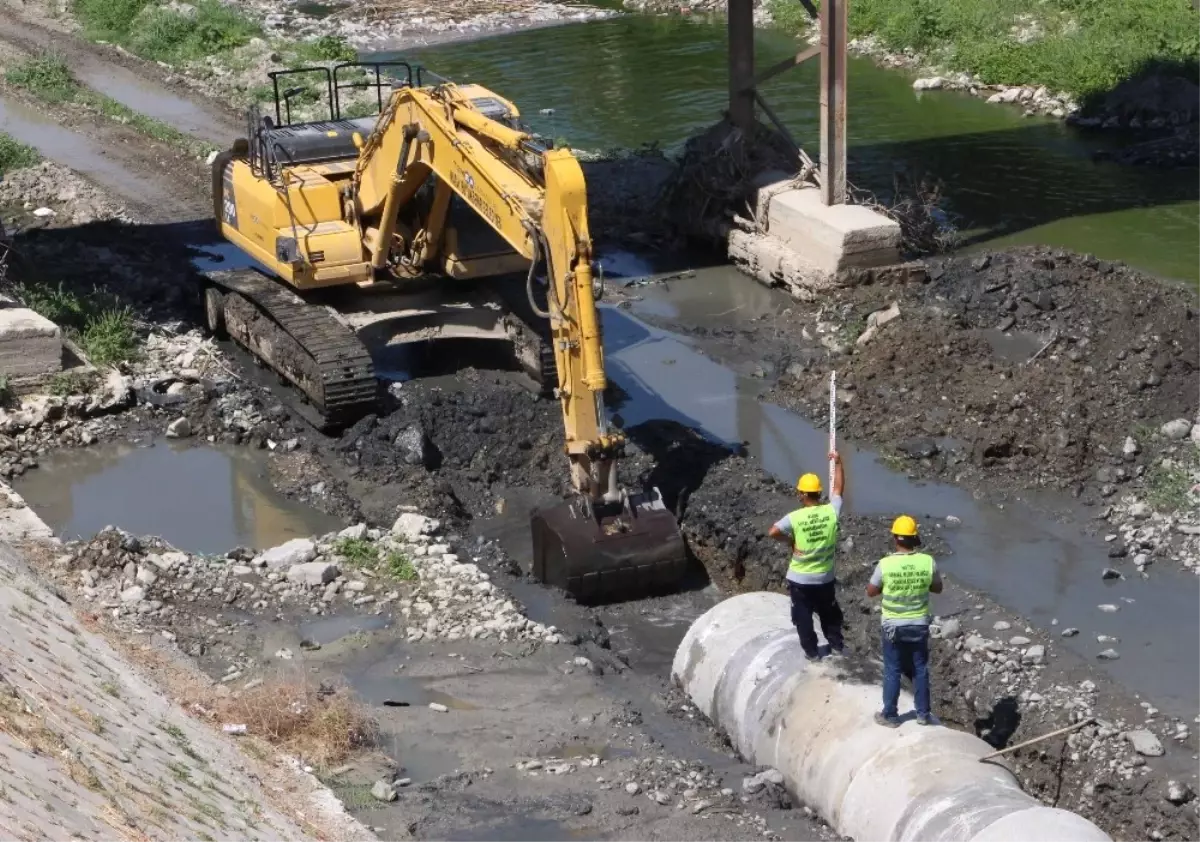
(623, 552)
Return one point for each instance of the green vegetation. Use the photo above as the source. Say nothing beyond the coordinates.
(325, 48)
(358, 552)
(1167, 486)
(15, 155)
(105, 329)
(399, 566)
(45, 76)
(73, 383)
(48, 78)
(162, 34)
(1084, 47)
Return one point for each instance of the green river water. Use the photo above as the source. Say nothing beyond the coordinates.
(1011, 179)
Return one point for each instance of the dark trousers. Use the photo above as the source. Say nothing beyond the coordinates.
(906, 651)
(822, 601)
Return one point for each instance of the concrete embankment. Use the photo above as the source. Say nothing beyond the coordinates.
(741, 664)
(91, 749)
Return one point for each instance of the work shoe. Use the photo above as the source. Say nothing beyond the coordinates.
(812, 656)
(927, 719)
(887, 721)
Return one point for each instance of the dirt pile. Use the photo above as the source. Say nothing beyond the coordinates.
(1027, 367)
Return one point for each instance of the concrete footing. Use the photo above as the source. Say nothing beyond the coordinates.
(742, 666)
(31, 346)
(806, 247)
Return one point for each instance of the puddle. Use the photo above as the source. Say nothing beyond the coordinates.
(1025, 560)
(1016, 346)
(53, 142)
(199, 498)
(523, 829)
(327, 630)
(152, 100)
(378, 684)
(717, 296)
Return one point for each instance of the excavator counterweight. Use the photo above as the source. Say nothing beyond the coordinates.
(368, 228)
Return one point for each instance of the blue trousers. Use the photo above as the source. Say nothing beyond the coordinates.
(905, 650)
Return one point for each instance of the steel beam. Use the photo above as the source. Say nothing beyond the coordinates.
(741, 64)
(833, 101)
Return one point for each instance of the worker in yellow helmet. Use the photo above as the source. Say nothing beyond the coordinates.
(812, 531)
(905, 579)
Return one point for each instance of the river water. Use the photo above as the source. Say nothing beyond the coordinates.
(1013, 180)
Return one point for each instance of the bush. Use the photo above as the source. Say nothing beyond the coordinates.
(109, 336)
(164, 34)
(46, 76)
(15, 155)
(325, 48)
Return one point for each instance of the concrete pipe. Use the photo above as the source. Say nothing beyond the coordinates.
(742, 665)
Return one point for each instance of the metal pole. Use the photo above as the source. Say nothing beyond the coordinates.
(741, 64)
(833, 101)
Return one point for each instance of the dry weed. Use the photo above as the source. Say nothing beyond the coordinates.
(322, 724)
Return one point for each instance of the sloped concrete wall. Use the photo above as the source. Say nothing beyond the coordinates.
(742, 665)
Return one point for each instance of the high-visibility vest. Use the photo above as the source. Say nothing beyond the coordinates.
(814, 539)
(906, 581)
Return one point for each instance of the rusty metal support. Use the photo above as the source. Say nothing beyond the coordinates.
(833, 101)
(741, 64)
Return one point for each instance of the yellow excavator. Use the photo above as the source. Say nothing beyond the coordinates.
(372, 233)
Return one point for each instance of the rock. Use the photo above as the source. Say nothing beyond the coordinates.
(167, 561)
(399, 783)
(1130, 448)
(922, 448)
(947, 629)
(1178, 792)
(288, 554)
(1109, 573)
(772, 776)
(632, 788)
(1001, 625)
(43, 213)
(412, 526)
(1069, 632)
(933, 83)
(146, 576)
(753, 784)
(312, 574)
(414, 444)
(1034, 655)
(383, 791)
(438, 707)
(1140, 510)
(1018, 640)
(1176, 430)
(1145, 743)
(1109, 608)
(1109, 655)
(180, 428)
(661, 797)
(976, 643)
(701, 805)
(354, 533)
(133, 594)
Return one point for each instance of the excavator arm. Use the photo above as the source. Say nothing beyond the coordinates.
(605, 543)
(536, 200)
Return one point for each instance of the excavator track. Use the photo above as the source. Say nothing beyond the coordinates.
(304, 343)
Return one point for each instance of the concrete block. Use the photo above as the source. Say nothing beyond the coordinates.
(834, 237)
(30, 345)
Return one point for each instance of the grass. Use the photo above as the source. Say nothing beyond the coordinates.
(48, 77)
(104, 329)
(164, 34)
(15, 155)
(1083, 47)
(1167, 487)
(358, 552)
(399, 566)
(72, 383)
(325, 48)
(320, 726)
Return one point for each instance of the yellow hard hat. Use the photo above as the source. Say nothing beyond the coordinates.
(905, 527)
(809, 484)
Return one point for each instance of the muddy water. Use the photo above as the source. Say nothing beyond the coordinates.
(1013, 180)
(203, 499)
(1041, 566)
(79, 153)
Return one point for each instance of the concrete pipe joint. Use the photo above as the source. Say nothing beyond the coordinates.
(742, 665)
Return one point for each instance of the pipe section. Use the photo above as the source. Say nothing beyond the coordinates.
(742, 666)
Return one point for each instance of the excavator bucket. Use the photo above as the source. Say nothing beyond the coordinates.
(631, 550)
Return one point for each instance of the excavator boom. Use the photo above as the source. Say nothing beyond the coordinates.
(371, 203)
